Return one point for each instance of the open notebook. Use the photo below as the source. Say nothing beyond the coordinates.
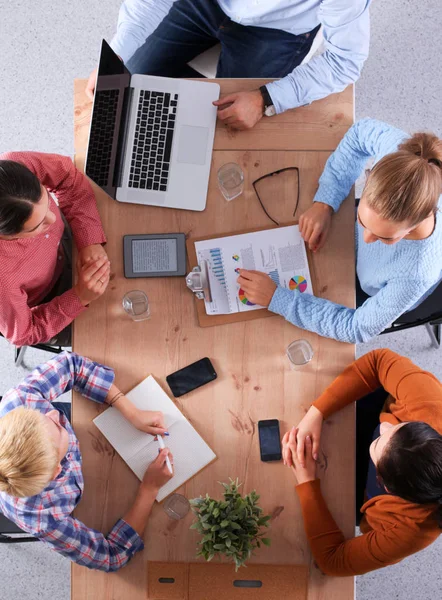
(138, 449)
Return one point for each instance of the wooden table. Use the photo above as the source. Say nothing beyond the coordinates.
(254, 378)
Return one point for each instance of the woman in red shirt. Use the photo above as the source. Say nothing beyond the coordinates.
(34, 259)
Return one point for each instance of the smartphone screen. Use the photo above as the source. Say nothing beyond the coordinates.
(194, 376)
(269, 440)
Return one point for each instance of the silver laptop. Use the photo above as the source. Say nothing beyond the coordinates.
(151, 138)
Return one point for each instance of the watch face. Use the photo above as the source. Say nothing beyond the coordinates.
(270, 111)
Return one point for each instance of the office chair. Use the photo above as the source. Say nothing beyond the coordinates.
(429, 313)
(20, 351)
(11, 534)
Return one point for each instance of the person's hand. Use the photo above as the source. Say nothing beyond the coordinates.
(149, 421)
(244, 109)
(158, 473)
(93, 279)
(91, 253)
(310, 425)
(91, 83)
(303, 472)
(314, 225)
(257, 286)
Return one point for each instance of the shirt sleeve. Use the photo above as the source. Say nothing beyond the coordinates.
(73, 191)
(348, 324)
(339, 557)
(90, 548)
(365, 139)
(346, 30)
(61, 374)
(411, 388)
(23, 325)
(137, 19)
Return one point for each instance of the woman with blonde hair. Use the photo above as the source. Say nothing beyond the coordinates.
(398, 233)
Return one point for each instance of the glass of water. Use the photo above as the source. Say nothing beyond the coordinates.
(299, 353)
(176, 506)
(231, 180)
(136, 304)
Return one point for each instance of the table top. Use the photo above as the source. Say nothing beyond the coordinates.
(254, 377)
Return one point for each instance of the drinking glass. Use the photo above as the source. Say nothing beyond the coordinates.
(231, 180)
(299, 353)
(176, 506)
(136, 304)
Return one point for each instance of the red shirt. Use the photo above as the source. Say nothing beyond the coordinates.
(31, 266)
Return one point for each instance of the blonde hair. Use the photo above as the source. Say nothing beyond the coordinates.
(28, 455)
(405, 186)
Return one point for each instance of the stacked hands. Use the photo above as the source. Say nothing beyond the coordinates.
(300, 446)
(93, 273)
(314, 226)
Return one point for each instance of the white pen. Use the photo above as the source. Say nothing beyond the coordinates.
(162, 446)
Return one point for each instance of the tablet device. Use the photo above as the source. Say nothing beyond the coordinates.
(154, 255)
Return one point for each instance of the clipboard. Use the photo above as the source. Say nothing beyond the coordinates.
(206, 320)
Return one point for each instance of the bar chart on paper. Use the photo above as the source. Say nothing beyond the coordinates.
(279, 253)
(217, 265)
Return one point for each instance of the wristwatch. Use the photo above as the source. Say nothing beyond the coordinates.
(269, 109)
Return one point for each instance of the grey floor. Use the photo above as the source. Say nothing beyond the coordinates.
(45, 45)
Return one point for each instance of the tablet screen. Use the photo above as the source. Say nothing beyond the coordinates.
(154, 255)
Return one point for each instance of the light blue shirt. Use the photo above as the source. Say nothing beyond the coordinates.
(397, 276)
(346, 30)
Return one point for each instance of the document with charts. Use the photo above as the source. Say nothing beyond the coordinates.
(279, 252)
(139, 449)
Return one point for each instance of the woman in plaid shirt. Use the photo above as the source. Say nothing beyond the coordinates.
(40, 463)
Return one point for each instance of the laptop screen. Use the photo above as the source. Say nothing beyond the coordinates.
(108, 118)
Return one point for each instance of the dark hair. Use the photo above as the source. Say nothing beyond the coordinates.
(19, 191)
(411, 465)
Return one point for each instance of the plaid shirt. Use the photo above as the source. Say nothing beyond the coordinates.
(48, 515)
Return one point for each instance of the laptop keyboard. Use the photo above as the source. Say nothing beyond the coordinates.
(150, 162)
(102, 136)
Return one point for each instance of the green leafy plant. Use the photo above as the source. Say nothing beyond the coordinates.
(231, 527)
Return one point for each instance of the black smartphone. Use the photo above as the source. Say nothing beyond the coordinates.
(189, 378)
(269, 440)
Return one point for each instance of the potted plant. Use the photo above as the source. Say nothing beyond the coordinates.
(231, 527)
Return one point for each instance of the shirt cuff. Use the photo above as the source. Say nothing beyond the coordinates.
(282, 94)
(281, 301)
(88, 237)
(327, 196)
(307, 490)
(326, 405)
(123, 535)
(70, 304)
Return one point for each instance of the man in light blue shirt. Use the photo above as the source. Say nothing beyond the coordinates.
(259, 38)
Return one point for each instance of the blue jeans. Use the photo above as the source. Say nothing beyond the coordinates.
(193, 26)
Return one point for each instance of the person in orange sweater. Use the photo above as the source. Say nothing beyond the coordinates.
(402, 513)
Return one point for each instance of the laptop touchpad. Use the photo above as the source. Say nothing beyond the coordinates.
(192, 147)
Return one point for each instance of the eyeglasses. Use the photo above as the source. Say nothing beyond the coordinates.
(278, 172)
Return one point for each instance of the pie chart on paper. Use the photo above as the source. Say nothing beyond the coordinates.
(243, 298)
(298, 282)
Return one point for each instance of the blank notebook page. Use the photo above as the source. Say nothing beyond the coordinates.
(138, 449)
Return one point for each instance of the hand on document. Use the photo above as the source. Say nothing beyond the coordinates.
(257, 286)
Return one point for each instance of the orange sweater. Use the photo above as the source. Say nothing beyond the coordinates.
(392, 528)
